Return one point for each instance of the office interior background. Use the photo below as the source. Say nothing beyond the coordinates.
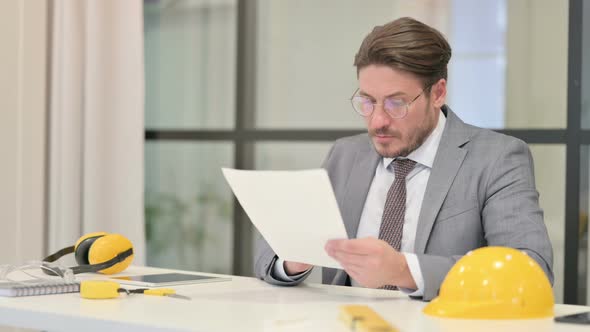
(262, 84)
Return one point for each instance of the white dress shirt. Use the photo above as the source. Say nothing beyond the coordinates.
(370, 221)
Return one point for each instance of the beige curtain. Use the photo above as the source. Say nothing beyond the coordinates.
(22, 129)
(96, 121)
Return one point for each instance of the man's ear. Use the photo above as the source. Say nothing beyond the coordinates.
(438, 93)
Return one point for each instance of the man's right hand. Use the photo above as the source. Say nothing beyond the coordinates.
(293, 268)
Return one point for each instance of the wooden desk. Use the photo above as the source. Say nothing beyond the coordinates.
(243, 304)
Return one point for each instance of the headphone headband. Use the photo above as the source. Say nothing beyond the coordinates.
(57, 255)
(105, 265)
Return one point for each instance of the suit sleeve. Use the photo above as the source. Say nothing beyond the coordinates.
(264, 262)
(510, 216)
(265, 258)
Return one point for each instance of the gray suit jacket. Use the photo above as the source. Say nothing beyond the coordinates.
(481, 192)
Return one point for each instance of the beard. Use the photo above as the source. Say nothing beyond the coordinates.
(414, 139)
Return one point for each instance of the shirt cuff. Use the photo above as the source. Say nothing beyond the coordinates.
(416, 273)
(279, 273)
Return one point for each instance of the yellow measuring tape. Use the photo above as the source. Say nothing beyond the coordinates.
(91, 289)
(361, 318)
(103, 289)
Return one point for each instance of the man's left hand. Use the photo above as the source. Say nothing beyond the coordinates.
(371, 262)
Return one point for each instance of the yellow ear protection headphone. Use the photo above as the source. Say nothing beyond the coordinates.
(97, 252)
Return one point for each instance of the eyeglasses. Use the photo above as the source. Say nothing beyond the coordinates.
(396, 108)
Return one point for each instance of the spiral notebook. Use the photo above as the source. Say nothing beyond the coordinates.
(37, 287)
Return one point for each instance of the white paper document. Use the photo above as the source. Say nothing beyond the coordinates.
(295, 211)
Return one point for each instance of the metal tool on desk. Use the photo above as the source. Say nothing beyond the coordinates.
(104, 289)
(157, 292)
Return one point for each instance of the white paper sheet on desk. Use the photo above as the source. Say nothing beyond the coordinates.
(295, 211)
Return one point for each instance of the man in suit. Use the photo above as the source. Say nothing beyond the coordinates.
(422, 188)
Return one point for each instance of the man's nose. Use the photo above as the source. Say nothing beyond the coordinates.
(379, 118)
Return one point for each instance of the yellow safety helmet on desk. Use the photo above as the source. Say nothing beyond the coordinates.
(494, 283)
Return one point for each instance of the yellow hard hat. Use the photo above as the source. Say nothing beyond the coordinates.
(494, 283)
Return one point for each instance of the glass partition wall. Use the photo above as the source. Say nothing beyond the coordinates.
(265, 85)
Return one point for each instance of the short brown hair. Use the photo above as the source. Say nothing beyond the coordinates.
(409, 45)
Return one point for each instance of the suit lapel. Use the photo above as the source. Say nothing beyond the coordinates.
(355, 194)
(447, 162)
(360, 179)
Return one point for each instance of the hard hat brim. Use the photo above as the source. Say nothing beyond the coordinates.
(485, 310)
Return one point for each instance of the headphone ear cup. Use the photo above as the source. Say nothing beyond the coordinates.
(108, 247)
(83, 246)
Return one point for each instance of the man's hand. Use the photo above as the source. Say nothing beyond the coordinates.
(293, 268)
(371, 262)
